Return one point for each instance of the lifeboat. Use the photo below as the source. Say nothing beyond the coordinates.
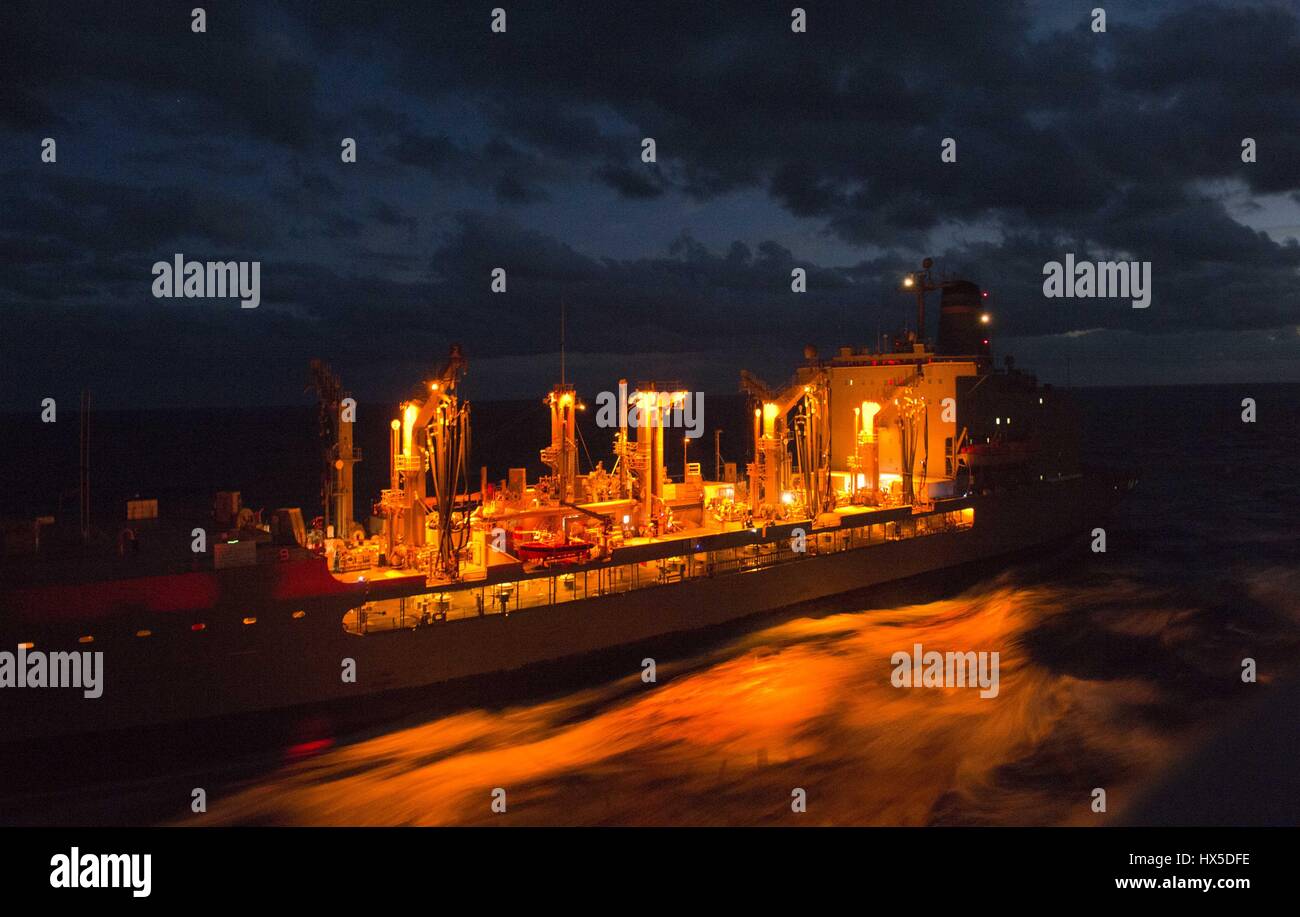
(550, 553)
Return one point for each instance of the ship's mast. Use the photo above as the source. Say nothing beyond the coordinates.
(772, 488)
(562, 454)
(919, 282)
(430, 442)
(339, 455)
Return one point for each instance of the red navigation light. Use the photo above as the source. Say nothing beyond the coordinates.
(307, 749)
(985, 294)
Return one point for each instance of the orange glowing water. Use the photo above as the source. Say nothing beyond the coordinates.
(1101, 685)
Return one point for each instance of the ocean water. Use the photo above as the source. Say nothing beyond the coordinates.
(1119, 671)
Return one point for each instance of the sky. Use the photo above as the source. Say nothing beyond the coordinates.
(522, 150)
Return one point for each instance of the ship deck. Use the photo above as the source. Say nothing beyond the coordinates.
(409, 599)
(503, 567)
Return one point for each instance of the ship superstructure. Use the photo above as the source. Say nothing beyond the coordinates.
(891, 441)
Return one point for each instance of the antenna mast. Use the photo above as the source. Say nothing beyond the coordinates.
(919, 282)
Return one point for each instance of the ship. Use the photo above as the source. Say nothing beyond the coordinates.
(868, 466)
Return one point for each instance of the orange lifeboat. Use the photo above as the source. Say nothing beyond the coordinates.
(551, 553)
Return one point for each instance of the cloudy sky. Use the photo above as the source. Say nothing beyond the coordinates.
(522, 150)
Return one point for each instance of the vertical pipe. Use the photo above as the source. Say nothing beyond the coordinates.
(657, 432)
(623, 492)
(645, 454)
(570, 449)
(343, 475)
(394, 448)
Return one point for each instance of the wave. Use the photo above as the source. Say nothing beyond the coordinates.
(1104, 683)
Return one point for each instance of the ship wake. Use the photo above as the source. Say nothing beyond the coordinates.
(1103, 685)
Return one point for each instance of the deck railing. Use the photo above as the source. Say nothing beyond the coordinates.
(441, 606)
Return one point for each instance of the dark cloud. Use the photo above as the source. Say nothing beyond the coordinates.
(522, 151)
(631, 182)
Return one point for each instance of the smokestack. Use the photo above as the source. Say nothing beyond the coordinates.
(961, 331)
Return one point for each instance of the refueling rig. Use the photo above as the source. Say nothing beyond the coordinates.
(868, 429)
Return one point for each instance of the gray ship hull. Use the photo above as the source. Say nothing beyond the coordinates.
(286, 661)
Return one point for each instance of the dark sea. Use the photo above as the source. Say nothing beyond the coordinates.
(1119, 671)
